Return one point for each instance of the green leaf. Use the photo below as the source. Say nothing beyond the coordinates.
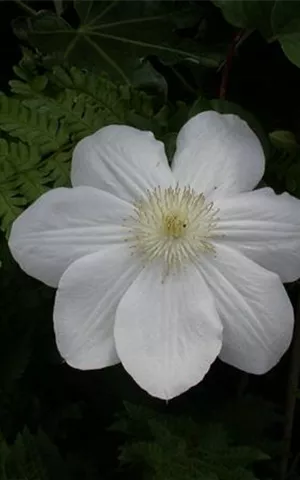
(292, 179)
(50, 116)
(285, 17)
(31, 457)
(248, 14)
(22, 179)
(57, 168)
(290, 44)
(29, 126)
(87, 102)
(286, 28)
(113, 38)
(284, 140)
(170, 448)
(147, 78)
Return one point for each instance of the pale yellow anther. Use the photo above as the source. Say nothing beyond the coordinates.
(174, 225)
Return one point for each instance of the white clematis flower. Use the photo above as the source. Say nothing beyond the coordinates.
(166, 268)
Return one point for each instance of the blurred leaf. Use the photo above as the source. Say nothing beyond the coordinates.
(248, 14)
(147, 78)
(284, 139)
(275, 19)
(285, 16)
(169, 447)
(283, 167)
(113, 36)
(292, 179)
(286, 28)
(31, 457)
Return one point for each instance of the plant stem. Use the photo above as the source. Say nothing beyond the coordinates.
(239, 38)
(26, 7)
(291, 393)
(228, 63)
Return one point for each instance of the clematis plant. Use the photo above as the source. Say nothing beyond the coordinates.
(164, 269)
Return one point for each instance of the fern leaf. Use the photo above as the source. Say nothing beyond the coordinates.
(99, 91)
(57, 168)
(22, 179)
(30, 126)
(29, 86)
(86, 102)
(74, 109)
(10, 204)
(25, 460)
(110, 102)
(31, 457)
(49, 115)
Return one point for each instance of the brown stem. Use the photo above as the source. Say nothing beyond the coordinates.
(291, 393)
(228, 64)
(239, 38)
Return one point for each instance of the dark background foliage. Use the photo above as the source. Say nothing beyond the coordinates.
(60, 423)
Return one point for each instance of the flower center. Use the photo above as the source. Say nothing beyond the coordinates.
(174, 225)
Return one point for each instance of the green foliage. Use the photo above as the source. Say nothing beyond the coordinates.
(54, 420)
(248, 14)
(180, 448)
(275, 19)
(31, 457)
(113, 39)
(43, 122)
(283, 167)
(286, 28)
(30, 126)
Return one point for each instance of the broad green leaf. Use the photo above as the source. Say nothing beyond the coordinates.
(290, 44)
(113, 36)
(285, 17)
(286, 28)
(248, 14)
(284, 140)
(148, 79)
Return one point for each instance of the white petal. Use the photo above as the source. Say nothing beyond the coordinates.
(85, 306)
(218, 154)
(167, 333)
(121, 160)
(64, 225)
(265, 227)
(255, 310)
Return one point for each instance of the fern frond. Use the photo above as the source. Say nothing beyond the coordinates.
(29, 462)
(180, 448)
(86, 102)
(49, 114)
(57, 168)
(22, 179)
(25, 169)
(30, 126)
(31, 457)
(24, 460)
(11, 204)
(80, 117)
(98, 90)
